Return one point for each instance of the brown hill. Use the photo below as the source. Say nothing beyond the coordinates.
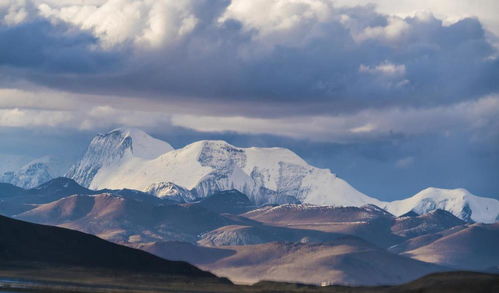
(416, 225)
(346, 261)
(242, 234)
(120, 219)
(369, 222)
(295, 214)
(472, 247)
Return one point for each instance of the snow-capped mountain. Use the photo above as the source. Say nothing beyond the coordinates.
(113, 149)
(459, 202)
(30, 175)
(266, 175)
(129, 158)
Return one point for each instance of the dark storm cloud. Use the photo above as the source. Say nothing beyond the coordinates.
(42, 48)
(331, 66)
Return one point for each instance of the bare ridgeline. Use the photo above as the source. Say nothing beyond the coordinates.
(209, 215)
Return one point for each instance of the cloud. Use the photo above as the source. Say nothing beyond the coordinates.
(40, 48)
(42, 108)
(143, 23)
(448, 10)
(21, 118)
(478, 118)
(385, 68)
(389, 32)
(39, 99)
(299, 57)
(13, 12)
(99, 117)
(404, 162)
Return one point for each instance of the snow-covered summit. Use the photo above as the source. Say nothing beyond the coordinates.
(30, 175)
(266, 175)
(142, 145)
(114, 148)
(459, 202)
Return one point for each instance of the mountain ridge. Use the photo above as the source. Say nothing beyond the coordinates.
(130, 158)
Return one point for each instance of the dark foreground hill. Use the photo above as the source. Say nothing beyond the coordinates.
(26, 243)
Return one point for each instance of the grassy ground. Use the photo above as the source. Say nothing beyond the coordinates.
(78, 280)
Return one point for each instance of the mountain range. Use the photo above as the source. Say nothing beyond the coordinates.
(130, 158)
(213, 230)
(253, 214)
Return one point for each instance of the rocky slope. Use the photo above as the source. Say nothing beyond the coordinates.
(112, 149)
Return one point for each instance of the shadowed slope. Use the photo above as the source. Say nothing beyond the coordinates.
(346, 261)
(126, 220)
(230, 201)
(368, 222)
(416, 225)
(177, 250)
(23, 242)
(474, 248)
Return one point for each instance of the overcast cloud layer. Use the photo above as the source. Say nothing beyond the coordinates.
(328, 74)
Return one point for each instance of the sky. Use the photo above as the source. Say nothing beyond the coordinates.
(392, 95)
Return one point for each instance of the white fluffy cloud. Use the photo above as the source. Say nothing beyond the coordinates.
(449, 10)
(145, 23)
(283, 22)
(13, 12)
(154, 23)
(24, 117)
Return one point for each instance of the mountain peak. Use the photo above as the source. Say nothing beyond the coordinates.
(436, 191)
(113, 149)
(61, 185)
(30, 175)
(460, 202)
(123, 158)
(136, 140)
